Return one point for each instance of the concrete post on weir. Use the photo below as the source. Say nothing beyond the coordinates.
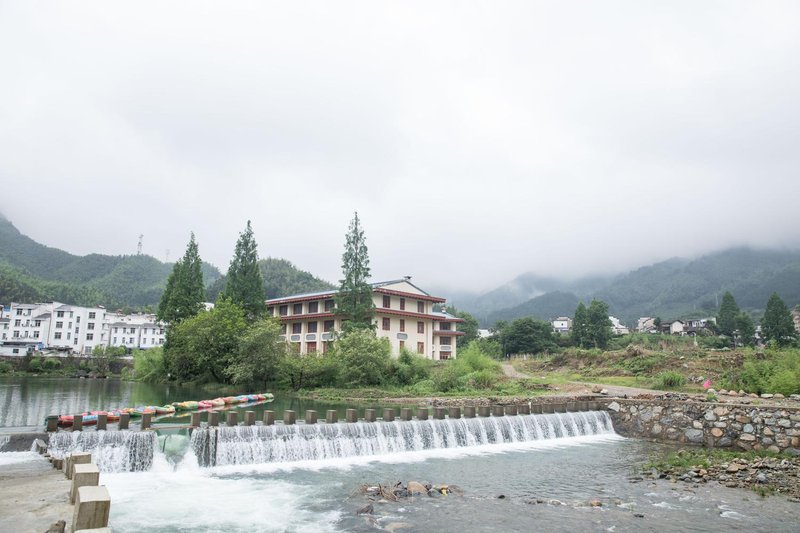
(524, 409)
(571, 407)
(454, 412)
(388, 415)
(483, 410)
(232, 419)
(213, 418)
(593, 406)
(469, 411)
(249, 418)
(498, 410)
(102, 421)
(405, 414)
(289, 417)
(52, 423)
(369, 415)
(86, 475)
(422, 413)
(511, 410)
(77, 423)
(269, 418)
(124, 421)
(331, 416)
(548, 408)
(536, 409)
(92, 507)
(311, 416)
(438, 413)
(146, 419)
(560, 407)
(82, 458)
(195, 423)
(351, 416)
(583, 406)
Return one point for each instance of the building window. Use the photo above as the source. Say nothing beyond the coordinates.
(297, 328)
(59, 325)
(402, 325)
(16, 334)
(60, 314)
(297, 309)
(312, 327)
(15, 350)
(444, 356)
(115, 340)
(444, 326)
(329, 305)
(420, 347)
(37, 323)
(115, 330)
(402, 304)
(92, 315)
(90, 325)
(445, 341)
(313, 307)
(420, 307)
(387, 301)
(90, 336)
(57, 335)
(420, 327)
(18, 323)
(283, 329)
(35, 334)
(386, 324)
(311, 347)
(133, 330)
(77, 320)
(19, 312)
(131, 342)
(77, 329)
(402, 345)
(327, 326)
(283, 310)
(69, 335)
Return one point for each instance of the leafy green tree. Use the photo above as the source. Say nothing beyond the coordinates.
(746, 327)
(657, 323)
(579, 325)
(206, 343)
(598, 329)
(777, 324)
(470, 326)
(185, 292)
(307, 371)
(528, 335)
(244, 285)
(354, 303)
(726, 317)
(363, 358)
(261, 352)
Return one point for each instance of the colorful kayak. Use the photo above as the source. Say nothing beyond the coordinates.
(186, 406)
(205, 404)
(217, 402)
(165, 410)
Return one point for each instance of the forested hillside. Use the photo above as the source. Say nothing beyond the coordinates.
(281, 278)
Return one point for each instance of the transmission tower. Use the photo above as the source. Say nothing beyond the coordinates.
(139, 247)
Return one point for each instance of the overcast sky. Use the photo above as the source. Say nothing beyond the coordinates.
(477, 140)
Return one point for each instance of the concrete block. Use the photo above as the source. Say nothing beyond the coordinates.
(249, 418)
(571, 407)
(77, 423)
(269, 418)
(405, 414)
(498, 410)
(195, 423)
(351, 415)
(422, 413)
(369, 415)
(388, 415)
(511, 410)
(92, 507)
(547, 408)
(81, 458)
(560, 407)
(524, 409)
(232, 419)
(102, 422)
(439, 412)
(213, 418)
(454, 412)
(469, 411)
(124, 421)
(536, 409)
(95, 530)
(331, 416)
(484, 410)
(41, 447)
(51, 424)
(147, 420)
(86, 475)
(311, 416)
(289, 417)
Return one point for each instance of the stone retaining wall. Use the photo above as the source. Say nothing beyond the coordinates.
(716, 425)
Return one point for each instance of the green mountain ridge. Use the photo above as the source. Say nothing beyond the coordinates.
(30, 271)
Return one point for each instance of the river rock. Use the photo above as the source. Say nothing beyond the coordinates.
(596, 503)
(416, 488)
(694, 435)
(614, 406)
(767, 396)
(367, 509)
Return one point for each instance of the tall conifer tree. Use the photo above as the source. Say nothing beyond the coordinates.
(598, 329)
(777, 324)
(579, 324)
(183, 298)
(244, 285)
(354, 300)
(728, 311)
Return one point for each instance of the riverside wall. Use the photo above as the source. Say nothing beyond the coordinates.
(715, 425)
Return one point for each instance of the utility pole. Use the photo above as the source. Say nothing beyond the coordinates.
(139, 247)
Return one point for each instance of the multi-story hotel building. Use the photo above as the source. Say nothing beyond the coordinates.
(403, 314)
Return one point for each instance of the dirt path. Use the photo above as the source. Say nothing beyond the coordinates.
(512, 372)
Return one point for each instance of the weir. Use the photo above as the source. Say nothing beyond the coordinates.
(113, 451)
(216, 446)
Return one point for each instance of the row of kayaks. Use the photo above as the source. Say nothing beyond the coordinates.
(89, 418)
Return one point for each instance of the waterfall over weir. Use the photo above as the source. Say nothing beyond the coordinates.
(215, 446)
(112, 451)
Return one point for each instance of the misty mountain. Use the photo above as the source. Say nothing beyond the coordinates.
(675, 288)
